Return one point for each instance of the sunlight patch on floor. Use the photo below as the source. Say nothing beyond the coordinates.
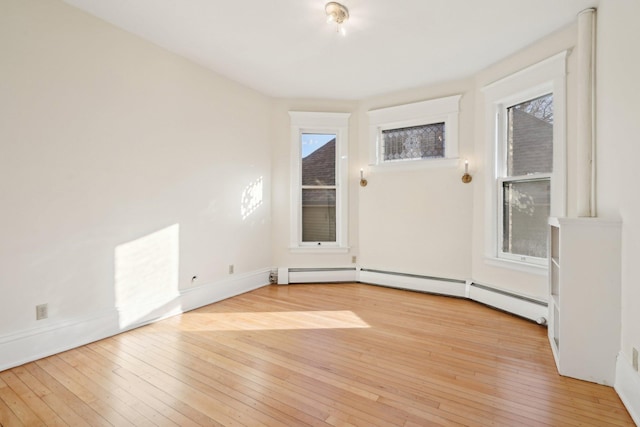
(280, 320)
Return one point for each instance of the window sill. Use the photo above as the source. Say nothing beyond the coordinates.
(539, 270)
(319, 250)
(416, 164)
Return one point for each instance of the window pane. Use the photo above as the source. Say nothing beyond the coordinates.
(318, 215)
(526, 210)
(530, 137)
(318, 159)
(416, 142)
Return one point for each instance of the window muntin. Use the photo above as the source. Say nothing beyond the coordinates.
(414, 143)
(318, 187)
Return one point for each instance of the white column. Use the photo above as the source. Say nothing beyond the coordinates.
(586, 197)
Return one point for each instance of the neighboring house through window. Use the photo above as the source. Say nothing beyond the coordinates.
(318, 187)
(319, 181)
(526, 140)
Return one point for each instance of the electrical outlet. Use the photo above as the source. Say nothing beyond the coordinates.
(634, 358)
(230, 268)
(354, 259)
(42, 311)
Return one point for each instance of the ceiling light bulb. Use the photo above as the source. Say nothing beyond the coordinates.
(336, 12)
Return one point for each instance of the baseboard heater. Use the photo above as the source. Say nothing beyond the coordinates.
(414, 282)
(519, 305)
(321, 275)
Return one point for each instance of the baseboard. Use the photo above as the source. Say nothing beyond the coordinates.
(519, 305)
(199, 296)
(627, 385)
(32, 344)
(413, 282)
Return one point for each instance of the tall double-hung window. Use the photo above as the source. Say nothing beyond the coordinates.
(319, 181)
(526, 135)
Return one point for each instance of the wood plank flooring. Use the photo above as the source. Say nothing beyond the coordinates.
(340, 355)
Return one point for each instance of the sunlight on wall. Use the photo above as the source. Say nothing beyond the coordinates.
(251, 198)
(146, 275)
(282, 320)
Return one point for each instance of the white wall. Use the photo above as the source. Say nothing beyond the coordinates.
(424, 222)
(408, 221)
(112, 147)
(418, 221)
(618, 148)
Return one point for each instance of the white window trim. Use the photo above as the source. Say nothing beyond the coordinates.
(419, 113)
(313, 122)
(547, 76)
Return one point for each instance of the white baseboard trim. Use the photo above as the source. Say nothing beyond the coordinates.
(413, 282)
(519, 305)
(627, 385)
(32, 344)
(199, 296)
(321, 275)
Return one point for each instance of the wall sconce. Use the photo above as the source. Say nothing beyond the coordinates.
(466, 178)
(363, 181)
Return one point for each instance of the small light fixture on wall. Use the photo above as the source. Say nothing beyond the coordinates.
(337, 13)
(466, 178)
(363, 181)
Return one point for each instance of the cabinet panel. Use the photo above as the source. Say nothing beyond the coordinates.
(584, 297)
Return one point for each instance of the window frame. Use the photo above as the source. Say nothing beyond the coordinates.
(440, 110)
(303, 122)
(547, 76)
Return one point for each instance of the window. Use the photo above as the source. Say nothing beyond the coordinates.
(318, 152)
(526, 149)
(319, 181)
(413, 143)
(526, 184)
(407, 135)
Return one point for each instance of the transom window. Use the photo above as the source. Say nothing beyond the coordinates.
(422, 134)
(413, 143)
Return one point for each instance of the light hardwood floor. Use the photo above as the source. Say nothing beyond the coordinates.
(339, 355)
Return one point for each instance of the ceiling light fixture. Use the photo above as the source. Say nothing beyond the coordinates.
(337, 13)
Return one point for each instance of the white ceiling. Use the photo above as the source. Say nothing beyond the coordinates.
(285, 48)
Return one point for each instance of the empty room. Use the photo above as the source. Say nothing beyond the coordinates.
(301, 212)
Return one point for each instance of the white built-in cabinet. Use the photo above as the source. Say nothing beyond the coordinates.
(584, 297)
